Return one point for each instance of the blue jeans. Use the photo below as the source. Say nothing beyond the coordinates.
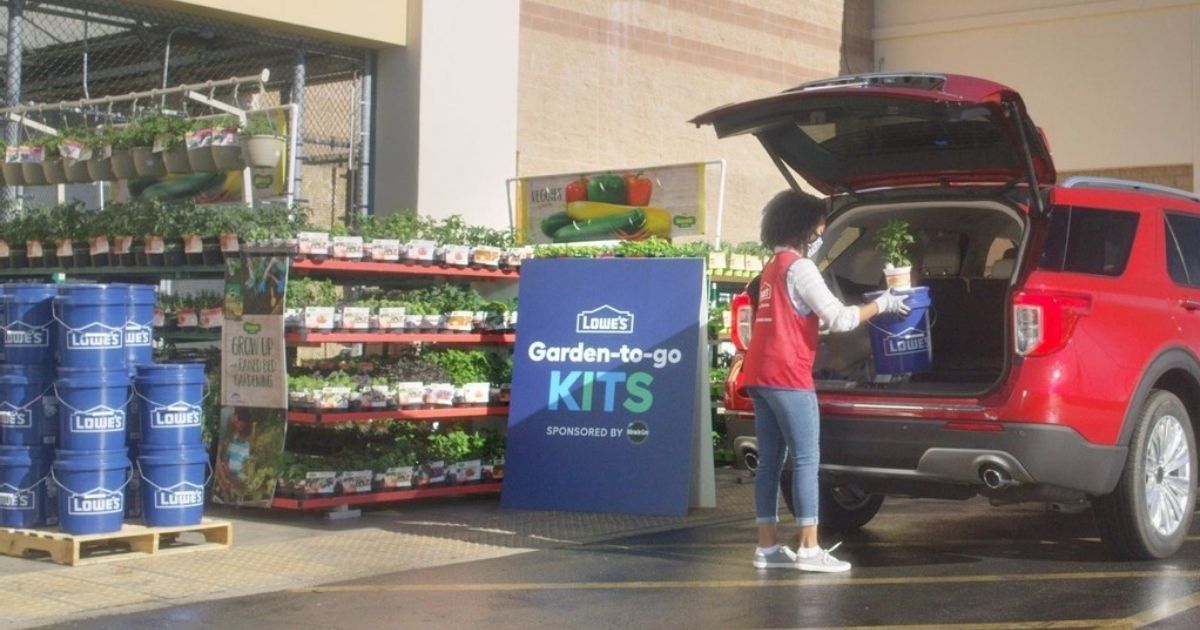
(787, 424)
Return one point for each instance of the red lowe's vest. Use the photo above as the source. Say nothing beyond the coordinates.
(783, 343)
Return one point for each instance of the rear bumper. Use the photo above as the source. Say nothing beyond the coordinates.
(925, 451)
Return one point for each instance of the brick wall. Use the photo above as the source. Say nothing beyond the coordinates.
(612, 84)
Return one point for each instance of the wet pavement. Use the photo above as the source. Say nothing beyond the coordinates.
(918, 564)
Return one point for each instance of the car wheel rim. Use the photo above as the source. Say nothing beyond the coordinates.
(850, 497)
(1168, 475)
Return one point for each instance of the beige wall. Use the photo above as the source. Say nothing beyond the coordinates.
(1114, 84)
(370, 23)
(611, 85)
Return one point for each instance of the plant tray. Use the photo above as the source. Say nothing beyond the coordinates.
(133, 541)
(387, 337)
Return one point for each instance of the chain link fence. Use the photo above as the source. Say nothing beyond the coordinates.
(76, 49)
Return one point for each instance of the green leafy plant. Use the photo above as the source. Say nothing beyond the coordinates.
(157, 123)
(893, 241)
(259, 125)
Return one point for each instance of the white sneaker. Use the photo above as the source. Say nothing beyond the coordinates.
(822, 561)
(782, 558)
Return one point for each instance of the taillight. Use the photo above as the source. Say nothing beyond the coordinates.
(1044, 321)
(743, 321)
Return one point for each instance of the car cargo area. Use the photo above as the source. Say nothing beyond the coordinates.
(965, 253)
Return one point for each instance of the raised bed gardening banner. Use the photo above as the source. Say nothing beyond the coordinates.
(605, 400)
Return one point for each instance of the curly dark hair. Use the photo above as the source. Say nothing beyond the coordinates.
(789, 218)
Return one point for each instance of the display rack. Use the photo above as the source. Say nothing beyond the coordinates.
(380, 271)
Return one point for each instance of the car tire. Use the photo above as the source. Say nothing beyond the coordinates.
(748, 458)
(842, 507)
(1149, 513)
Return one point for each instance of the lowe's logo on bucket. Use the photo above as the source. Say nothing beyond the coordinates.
(910, 341)
(98, 501)
(13, 498)
(604, 319)
(183, 495)
(22, 335)
(138, 334)
(11, 416)
(98, 420)
(178, 414)
(95, 336)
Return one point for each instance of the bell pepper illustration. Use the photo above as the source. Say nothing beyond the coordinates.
(576, 190)
(638, 189)
(609, 188)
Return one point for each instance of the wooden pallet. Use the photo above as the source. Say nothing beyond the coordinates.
(133, 541)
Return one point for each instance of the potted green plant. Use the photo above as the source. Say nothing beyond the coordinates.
(75, 147)
(62, 223)
(37, 227)
(99, 162)
(33, 154)
(143, 139)
(122, 139)
(893, 241)
(262, 144)
(198, 140)
(14, 243)
(98, 246)
(224, 146)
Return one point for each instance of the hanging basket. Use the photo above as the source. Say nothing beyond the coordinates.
(176, 159)
(33, 173)
(12, 174)
(53, 171)
(262, 151)
(200, 159)
(101, 170)
(147, 163)
(76, 171)
(228, 158)
(122, 164)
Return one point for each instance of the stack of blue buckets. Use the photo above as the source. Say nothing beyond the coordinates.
(83, 353)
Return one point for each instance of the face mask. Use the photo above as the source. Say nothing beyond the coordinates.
(813, 248)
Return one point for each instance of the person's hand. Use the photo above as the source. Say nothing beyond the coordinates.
(891, 303)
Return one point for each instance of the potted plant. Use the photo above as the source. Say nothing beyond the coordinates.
(893, 241)
(62, 223)
(34, 156)
(198, 140)
(14, 244)
(192, 222)
(262, 144)
(75, 148)
(122, 139)
(224, 146)
(10, 166)
(143, 139)
(37, 227)
(99, 162)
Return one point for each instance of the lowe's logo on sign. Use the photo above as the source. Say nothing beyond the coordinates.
(22, 335)
(98, 501)
(95, 336)
(178, 414)
(98, 420)
(138, 335)
(13, 498)
(183, 495)
(14, 417)
(910, 341)
(604, 319)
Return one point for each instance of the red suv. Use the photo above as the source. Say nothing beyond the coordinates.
(1065, 317)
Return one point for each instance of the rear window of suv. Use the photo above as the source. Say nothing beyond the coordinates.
(1088, 240)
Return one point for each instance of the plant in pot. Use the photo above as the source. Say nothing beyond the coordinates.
(37, 229)
(198, 140)
(96, 229)
(63, 222)
(121, 226)
(228, 225)
(893, 241)
(225, 148)
(122, 138)
(47, 170)
(192, 223)
(262, 144)
(168, 132)
(10, 166)
(143, 139)
(75, 148)
(99, 162)
(14, 242)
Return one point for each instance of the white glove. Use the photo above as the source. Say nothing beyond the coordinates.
(891, 303)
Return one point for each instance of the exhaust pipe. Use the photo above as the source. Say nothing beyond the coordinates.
(995, 478)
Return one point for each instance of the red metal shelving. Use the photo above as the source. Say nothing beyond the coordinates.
(351, 268)
(429, 415)
(384, 497)
(382, 337)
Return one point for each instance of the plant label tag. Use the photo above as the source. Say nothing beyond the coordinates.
(98, 245)
(160, 143)
(348, 247)
(320, 481)
(385, 249)
(391, 317)
(33, 249)
(313, 243)
(224, 137)
(74, 150)
(31, 154)
(12, 155)
(486, 256)
(457, 255)
(476, 393)
(212, 317)
(104, 152)
(460, 321)
(187, 318)
(356, 318)
(155, 245)
(193, 244)
(198, 139)
(65, 248)
(737, 262)
(160, 318)
(420, 251)
(318, 317)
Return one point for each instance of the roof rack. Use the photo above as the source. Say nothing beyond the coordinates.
(1084, 181)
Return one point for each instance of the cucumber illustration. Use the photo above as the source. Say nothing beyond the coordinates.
(555, 222)
(603, 228)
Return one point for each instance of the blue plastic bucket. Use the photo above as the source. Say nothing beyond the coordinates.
(902, 344)
(28, 408)
(173, 480)
(133, 492)
(28, 323)
(91, 490)
(91, 325)
(170, 403)
(92, 409)
(23, 472)
(3, 318)
(139, 330)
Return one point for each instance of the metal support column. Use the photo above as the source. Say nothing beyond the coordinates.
(366, 140)
(12, 82)
(295, 160)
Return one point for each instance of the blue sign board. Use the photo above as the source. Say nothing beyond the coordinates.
(605, 386)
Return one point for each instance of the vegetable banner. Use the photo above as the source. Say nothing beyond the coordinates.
(623, 204)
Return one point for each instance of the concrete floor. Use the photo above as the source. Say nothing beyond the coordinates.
(918, 564)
